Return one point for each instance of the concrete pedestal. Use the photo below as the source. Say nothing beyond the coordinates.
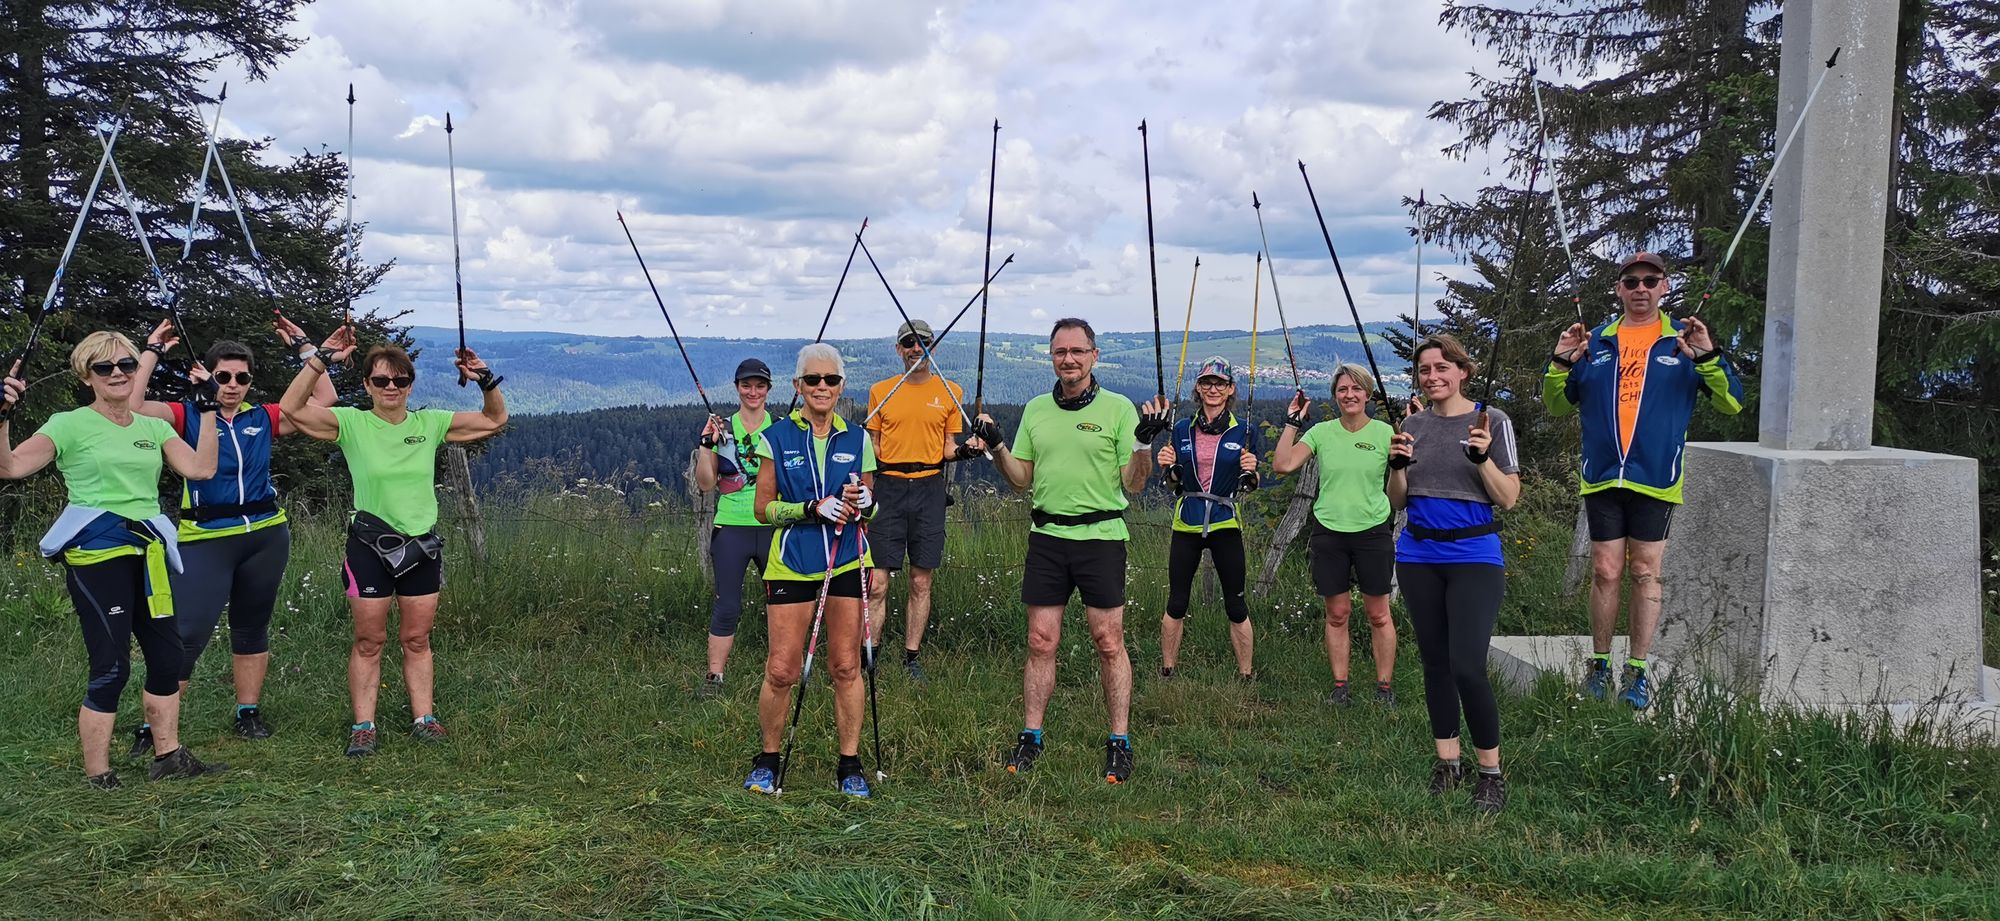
(1827, 577)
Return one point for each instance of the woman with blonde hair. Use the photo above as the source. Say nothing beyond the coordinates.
(114, 544)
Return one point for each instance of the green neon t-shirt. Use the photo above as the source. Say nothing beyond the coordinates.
(1079, 457)
(1353, 474)
(738, 509)
(394, 467)
(110, 466)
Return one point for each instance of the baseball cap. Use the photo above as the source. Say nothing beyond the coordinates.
(1642, 259)
(919, 327)
(1216, 366)
(751, 367)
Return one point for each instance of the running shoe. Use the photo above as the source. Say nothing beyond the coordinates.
(250, 725)
(105, 781)
(1246, 677)
(1598, 682)
(427, 729)
(1026, 750)
(1166, 672)
(763, 775)
(1341, 696)
(1489, 792)
(1638, 692)
(711, 687)
(1117, 761)
(142, 741)
(1445, 777)
(182, 763)
(1385, 696)
(854, 785)
(915, 671)
(361, 741)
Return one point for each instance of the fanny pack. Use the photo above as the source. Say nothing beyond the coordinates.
(1450, 534)
(217, 512)
(1043, 519)
(908, 467)
(399, 552)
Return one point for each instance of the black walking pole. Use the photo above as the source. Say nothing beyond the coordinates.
(663, 312)
(823, 321)
(1381, 391)
(992, 176)
(1271, 266)
(1153, 264)
(457, 276)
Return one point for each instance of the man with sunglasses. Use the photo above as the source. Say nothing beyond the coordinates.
(1634, 382)
(912, 431)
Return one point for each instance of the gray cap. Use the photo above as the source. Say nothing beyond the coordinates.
(919, 327)
(751, 368)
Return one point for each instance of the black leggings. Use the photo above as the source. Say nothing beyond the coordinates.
(1225, 547)
(730, 548)
(110, 599)
(242, 571)
(1453, 607)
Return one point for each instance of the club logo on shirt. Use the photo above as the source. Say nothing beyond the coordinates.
(416, 439)
(1668, 360)
(1089, 427)
(1601, 358)
(843, 457)
(1365, 446)
(1233, 446)
(794, 461)
(145, 445)
(254, 430)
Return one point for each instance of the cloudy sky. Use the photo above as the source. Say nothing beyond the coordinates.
(745, 142)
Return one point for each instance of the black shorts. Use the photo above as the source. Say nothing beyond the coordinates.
(1340, 559)
(1618, 513)
(796, 591)
(908, 522)
(366, 576)
(1056, 566)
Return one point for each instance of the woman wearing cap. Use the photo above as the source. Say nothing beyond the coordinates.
(726, 463)
(1211, 457)
(1457, 463)
(393, 551)
(1353, 537)
(116, 547)
(813, 487)
(233, 535)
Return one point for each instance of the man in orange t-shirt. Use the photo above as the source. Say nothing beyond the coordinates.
(913, 439)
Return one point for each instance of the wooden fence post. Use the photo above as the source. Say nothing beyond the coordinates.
(1290, 525)
(459, 469)
(704, 513)
(1578, 570)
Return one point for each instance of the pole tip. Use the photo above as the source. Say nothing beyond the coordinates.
(1010, 258)
(447, 122)
(224, 95)
(1142, 126)
(1254, 203)
(996, 125)
(621, 215)
(1302, 166)
(1532, 71)
(1833, 57)
(350, 94)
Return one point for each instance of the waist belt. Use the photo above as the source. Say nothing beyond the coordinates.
(1450, 534)
(399, 552)
(1043, 519)
(216, 512)
(908, 467)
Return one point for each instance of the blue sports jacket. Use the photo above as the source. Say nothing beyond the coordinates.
(801, 547)
(1200, 511)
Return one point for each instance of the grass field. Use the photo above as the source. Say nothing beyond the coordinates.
(582, 777)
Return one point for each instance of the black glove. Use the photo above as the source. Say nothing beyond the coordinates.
(486, 379)
(1298, 421)
(1475, 455)
(988, 431)
(1150, 427)
(1171, 476)
(1399, 461)
(1706, 357)
(207, 397)
(1248, 480)
(710, 440)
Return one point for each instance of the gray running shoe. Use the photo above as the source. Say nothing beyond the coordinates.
(711, 687)
(182, 763)
(250, 725)
(1341, 696)
(1446, 777)
(427, 729)
(1385, 696)
(1489, 792)
(105, 781)
(361, 741)
(915, 671)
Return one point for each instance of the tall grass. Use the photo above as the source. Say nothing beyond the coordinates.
(583, 778)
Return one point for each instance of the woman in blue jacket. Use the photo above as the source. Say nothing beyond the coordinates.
(1211, 458)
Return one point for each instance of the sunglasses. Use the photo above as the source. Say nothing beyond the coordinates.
(384, 382)
(910, 342)
(814, 380)
(1209, 383)
(104, 368)
(225, 377)
(1632, 282)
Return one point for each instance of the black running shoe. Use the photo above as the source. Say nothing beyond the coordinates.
(1117, 761)
(142, 741)
(182, 763)
(1026, 750)
(1385, 696)
(915, 671)
(1341, 696)
(105, 781)
(1166, 671)
(250, 725)
(1446, 777)
(1246, 677)
(1489, 792)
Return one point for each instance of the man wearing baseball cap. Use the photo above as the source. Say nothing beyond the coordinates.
(912, 431)
(1209, 461)
(727, 464)
(1634, 382)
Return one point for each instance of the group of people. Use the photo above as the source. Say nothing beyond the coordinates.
(829, 512)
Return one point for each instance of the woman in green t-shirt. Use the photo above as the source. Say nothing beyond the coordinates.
(1352, 533)
(114, 544)
(392, 550)
(727, 464)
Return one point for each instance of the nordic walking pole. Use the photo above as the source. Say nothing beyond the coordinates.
(868, 662)
(20, 362)
(1187, 325)
(1417, 291)
(663, 312)
(828, 318)
(347, 309)
(242, 222)
(1153, 265)
(1765, 188)
(1555, 187)
(1271, 266)
(457, 274)
(992, 182)
(166, 296)
(1513, 282)
(939, 340)
(201, 185)
(928, 349)
(1256, 290)
(1381, 390)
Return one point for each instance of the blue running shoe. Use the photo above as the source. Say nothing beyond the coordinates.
(854, 785)
(1638, 689)
(763, 779)
(1598, 682)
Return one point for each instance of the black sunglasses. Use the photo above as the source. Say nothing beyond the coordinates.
(382, 381)
(814, 380)
(225, 377)
(127, 364)
(910, 342)
(1632, 282)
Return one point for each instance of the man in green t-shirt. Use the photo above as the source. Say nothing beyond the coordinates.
(1079, 450)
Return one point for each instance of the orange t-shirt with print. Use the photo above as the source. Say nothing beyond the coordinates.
(911, 429)
(1635, 347)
